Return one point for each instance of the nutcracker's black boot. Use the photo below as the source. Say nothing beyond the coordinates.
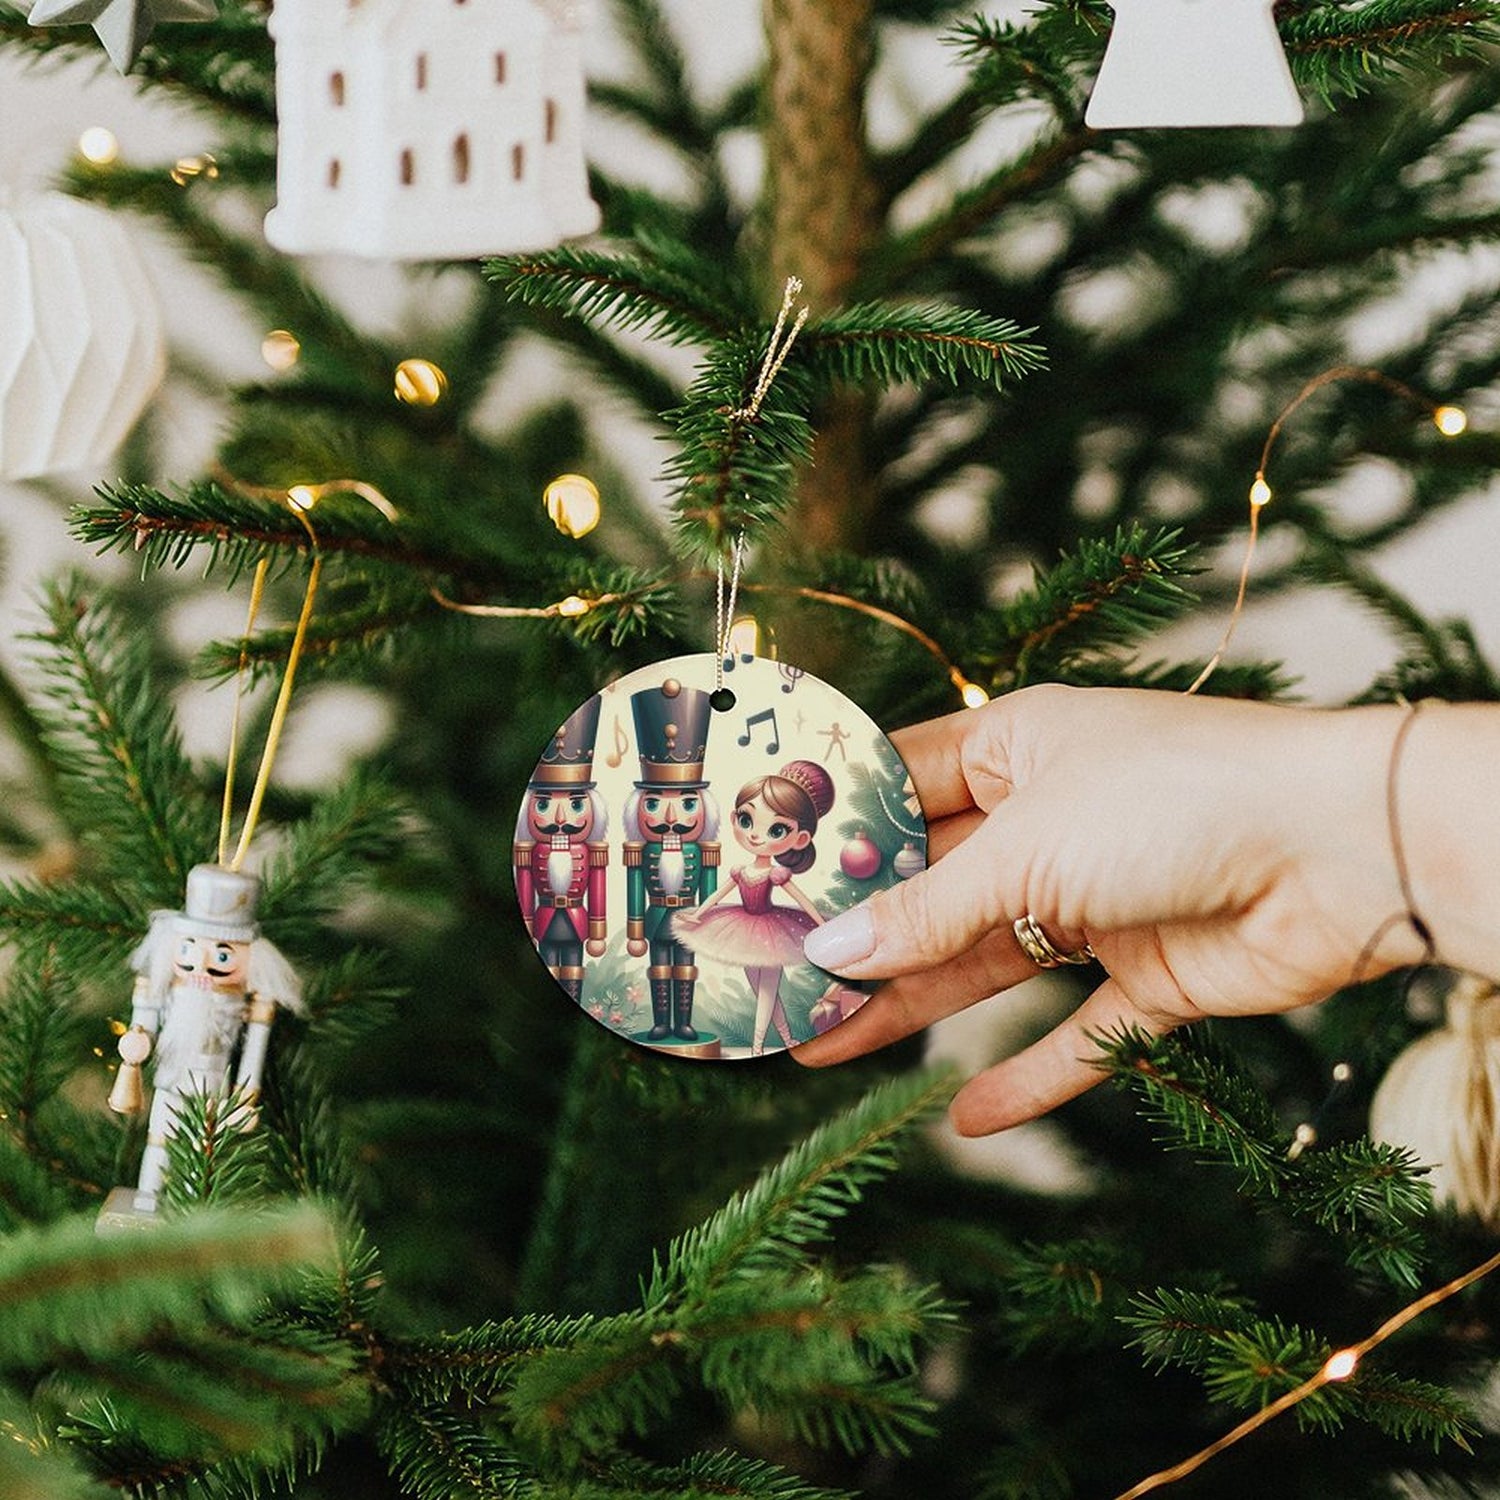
(661, 1003)
(684, 977)
(570, 977)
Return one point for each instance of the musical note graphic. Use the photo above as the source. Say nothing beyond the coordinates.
(766, 715)
(792, 675)
(745, 656)
(613, 757)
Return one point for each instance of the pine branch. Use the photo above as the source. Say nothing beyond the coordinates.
(88, 927)
(1102, 598)
(733, 467)
(1247, 1360)
(65, 1150)
(66, 1290)
(1373, 1198)
(435, 1455)
(32, 1466)
(1369, 1198)
(1038, 168)
(888, 344)
(225, 68)
(1343, 50)
(216, 1159)
(1190, 1087)
(663, 102)
(112, 738)
(679, 304)
(328, 855)
(791, 1207)
(1011, 64)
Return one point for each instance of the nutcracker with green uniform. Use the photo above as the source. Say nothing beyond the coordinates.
(671, 850)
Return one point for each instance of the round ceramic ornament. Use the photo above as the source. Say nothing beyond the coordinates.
(680, 836)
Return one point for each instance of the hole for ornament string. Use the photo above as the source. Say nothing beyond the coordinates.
(722, 699)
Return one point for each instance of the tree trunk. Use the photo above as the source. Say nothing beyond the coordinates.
(824, 218)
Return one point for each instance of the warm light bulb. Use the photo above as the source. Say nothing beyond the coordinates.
(98, 145)
(973, 695)
(301, 497)
(1341, 1366)
(1342, 1072)
(419, 382)
(1260, 491)
(1450, 420)
(186, 168)
(744, 636)
(571, 607)
(572, 502)
(280, 349)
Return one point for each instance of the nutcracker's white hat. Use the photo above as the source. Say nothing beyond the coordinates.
(220, 904)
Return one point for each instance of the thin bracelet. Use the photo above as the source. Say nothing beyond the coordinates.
(1409, 915)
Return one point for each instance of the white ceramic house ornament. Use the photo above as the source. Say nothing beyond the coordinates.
(428, 129)
(81, 343)
(1191, 63)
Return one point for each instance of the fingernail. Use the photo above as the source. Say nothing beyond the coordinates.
(842, 940)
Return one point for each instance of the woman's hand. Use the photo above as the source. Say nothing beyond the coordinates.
(1220, 858)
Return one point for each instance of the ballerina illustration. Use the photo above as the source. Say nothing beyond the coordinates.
(774, 820)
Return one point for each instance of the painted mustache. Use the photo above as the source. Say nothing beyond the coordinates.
(669, 827)
(568, 828)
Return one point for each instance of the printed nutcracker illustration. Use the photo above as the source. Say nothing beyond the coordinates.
(560, 854)
(671, 850)
(207, 989)
(686, 962)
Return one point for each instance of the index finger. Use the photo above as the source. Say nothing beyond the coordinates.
(934, 752)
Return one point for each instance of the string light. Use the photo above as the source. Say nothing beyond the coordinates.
(186, 168)
(280, 349)
(1338, 1366)
(573, 505)
(569, 608)
(1451, 421)
(99, 146)
(419, 382)
(746, 638)
(972, 694)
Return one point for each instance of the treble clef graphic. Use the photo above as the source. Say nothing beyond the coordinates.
(613, 757)
(792, 675)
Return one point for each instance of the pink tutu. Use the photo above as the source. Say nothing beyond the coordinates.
(754, 934)
(732, 935)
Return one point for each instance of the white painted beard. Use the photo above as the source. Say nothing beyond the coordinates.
(559, 865)
(671, 872)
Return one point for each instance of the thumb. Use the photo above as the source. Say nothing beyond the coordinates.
(939, 912)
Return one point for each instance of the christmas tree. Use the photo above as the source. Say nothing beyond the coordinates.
(467, 1243)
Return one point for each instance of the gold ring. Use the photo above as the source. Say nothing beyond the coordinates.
(1041, 950)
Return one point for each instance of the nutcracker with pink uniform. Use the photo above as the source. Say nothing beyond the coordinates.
(207, 989)
(560, 855)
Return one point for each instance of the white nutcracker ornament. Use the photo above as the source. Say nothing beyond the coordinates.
(1193, 63)
(1441, 1100)
(81, 343)
(207, 989)
(428, 129)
